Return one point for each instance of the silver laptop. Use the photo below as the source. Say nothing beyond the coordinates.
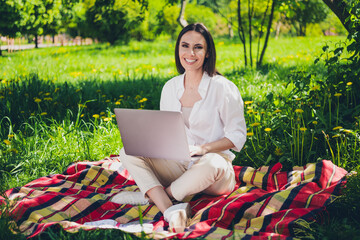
(153, 134)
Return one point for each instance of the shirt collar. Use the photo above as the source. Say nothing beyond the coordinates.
(203, 86)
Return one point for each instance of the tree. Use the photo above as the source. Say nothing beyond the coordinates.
(301, 14)
(9, 16)
(36, 15)
(254, 20)
(339, 7)
(111, 20)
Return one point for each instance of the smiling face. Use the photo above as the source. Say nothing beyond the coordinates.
(192, 51)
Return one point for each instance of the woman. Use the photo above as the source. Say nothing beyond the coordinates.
(213, 113)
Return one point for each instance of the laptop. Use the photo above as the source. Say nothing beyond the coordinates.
(153, 134)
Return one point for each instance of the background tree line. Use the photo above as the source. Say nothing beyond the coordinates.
(118, 21)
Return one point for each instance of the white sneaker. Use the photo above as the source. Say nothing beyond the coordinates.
(177, 216)
(127, 197)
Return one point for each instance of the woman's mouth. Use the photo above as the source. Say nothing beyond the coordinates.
(190, 60)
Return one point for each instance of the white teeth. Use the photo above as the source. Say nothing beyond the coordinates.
(190, 61)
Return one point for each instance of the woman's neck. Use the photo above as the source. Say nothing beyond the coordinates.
(192, 79)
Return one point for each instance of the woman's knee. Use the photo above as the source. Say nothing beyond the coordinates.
(214, 161)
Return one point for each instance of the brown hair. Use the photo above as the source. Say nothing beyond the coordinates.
(210, 60)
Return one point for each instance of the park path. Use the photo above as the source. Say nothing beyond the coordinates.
(31, 46)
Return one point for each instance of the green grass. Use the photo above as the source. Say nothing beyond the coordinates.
(56, 105)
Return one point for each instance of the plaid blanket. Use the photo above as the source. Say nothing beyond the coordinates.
(266, 203)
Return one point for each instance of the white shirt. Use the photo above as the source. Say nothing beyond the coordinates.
(219, 114)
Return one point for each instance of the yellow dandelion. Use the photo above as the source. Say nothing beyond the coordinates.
(277, 111)
(11, 136)
(102, 113)
(143, 100)
(337, 128)
(267, 129)
(315, 88)
(121, 96)
(336, 136)
(7, 142)
(47, 94)
(82, 115)
(117, 103)
(349, 83)
(108, 101)
(256, 124)
(2, 97)
(94, 70)
(107, 119)
(13, 150)
(303, 129)
(337, 94)
(37, 100)
(96, 116)
(248, 102)
(43, 113)
(278, 152)
(48, 99)
(347, 131)
(299, 110)
(250, 111)
(104, 95)
(250, 134)
(318, 105)
(314, 122)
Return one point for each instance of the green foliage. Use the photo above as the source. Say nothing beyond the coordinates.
(9, 15)
(37, 15)
(197, 13)
(111, 20)
(302, 13)
(167, 19)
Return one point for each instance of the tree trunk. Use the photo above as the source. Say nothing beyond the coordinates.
(231, 32)
(339, 8)
(181, 18)
(261, 32)
(36, 41)
(250, 15)
(241, 31)
(267, 32)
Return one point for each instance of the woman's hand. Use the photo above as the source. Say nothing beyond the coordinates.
(217, 146)
(197, 150)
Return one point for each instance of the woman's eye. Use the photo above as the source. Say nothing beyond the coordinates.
(184, 46)
(199, 47)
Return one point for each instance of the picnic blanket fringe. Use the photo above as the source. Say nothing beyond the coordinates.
(266, 203)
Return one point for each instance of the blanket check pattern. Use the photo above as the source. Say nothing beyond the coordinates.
(266, 203)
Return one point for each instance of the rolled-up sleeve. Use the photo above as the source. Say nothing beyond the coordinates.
(232, 115)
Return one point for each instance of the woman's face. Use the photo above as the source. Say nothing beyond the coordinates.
(192, 51)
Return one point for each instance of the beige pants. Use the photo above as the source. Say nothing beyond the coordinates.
(213, 174)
